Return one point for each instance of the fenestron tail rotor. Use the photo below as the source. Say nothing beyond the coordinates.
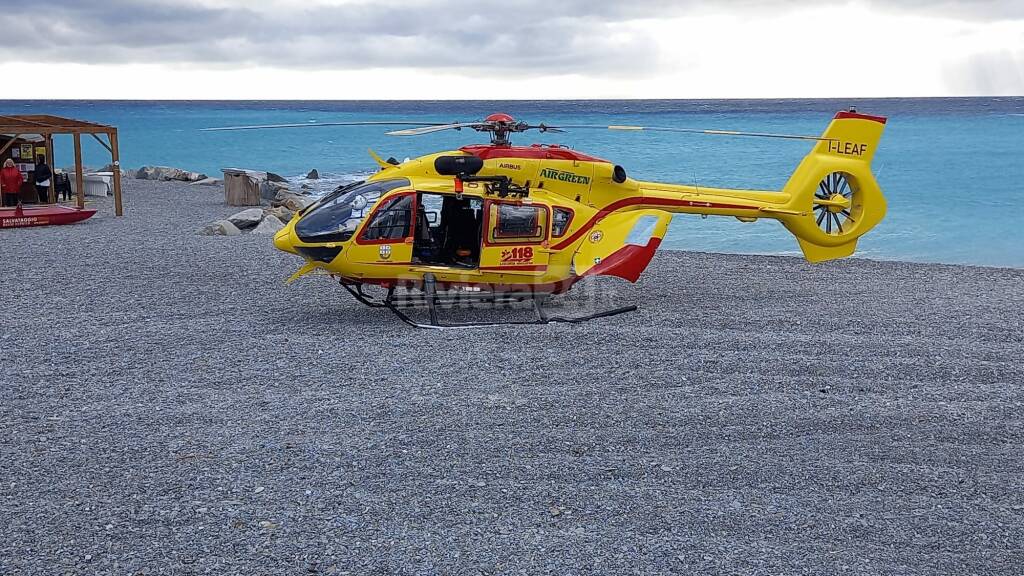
(834, 199)
(834, 202)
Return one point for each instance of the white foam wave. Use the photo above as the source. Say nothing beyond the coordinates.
(327, 182)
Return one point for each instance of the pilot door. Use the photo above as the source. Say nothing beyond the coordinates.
(515, 237)
(387, 235)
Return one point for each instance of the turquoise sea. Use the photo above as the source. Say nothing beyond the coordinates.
(952, 169)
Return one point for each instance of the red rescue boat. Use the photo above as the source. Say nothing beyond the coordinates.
(49, 215)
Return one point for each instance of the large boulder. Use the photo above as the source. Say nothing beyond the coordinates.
(269, 226)
(219, 228)
(125, 173)
(246, 218)
(271, 177)
(313, 175)
(280, 212)
(291, 201)
(167, 174)
(270, 189)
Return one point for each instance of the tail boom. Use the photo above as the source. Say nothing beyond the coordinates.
(830, 201)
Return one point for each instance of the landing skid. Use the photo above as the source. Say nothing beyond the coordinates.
(432, 300)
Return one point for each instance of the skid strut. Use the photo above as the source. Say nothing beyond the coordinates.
(433, 300)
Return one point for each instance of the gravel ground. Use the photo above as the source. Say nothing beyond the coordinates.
(170, 407)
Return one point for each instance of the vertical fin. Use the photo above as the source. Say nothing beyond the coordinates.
(835, 198)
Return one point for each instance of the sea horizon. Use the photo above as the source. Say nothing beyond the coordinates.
(638, 99)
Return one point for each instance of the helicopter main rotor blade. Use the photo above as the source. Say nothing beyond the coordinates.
(318, 125)
(692, 131)
(434, 128)
(545, 128)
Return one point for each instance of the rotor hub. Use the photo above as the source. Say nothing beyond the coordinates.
(833, 203)
(500, 125)
(500, 117)
(837, 203)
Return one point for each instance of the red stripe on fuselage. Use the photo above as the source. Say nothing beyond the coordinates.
(525, 268)
(641, 201)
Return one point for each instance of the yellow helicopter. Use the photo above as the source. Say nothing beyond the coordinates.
(497, 221)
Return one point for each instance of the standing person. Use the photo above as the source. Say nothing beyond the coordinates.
(42, 178)
(10, 183)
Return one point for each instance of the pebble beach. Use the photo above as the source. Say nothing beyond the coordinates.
(169, 406)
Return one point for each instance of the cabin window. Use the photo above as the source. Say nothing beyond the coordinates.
(560, 220)
(518, 223)
(392, 221)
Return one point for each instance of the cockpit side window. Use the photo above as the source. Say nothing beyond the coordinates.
(337, 216)
(391, 221)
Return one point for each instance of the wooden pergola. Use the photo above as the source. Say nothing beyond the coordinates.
(47, 126)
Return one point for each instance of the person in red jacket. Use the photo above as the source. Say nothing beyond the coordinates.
(10, 183)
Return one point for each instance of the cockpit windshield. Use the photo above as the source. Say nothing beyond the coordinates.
(336, 216)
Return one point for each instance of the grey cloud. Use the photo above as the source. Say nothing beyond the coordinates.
(967, 9)
(449, 34)
(483, 36)
(995, 73)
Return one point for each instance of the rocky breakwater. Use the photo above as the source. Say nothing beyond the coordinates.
(280, 202)
(264, 220)
(168, 174)
(260, 221)
(277, 192)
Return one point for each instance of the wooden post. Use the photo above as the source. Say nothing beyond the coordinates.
(115, 156)
(49, 161)
(79, 177)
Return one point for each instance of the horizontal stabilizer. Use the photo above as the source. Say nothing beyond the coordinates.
(622, 245)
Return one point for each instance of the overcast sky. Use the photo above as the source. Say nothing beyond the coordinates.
(352, 49)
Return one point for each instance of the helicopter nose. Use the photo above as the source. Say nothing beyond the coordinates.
(285, 240)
